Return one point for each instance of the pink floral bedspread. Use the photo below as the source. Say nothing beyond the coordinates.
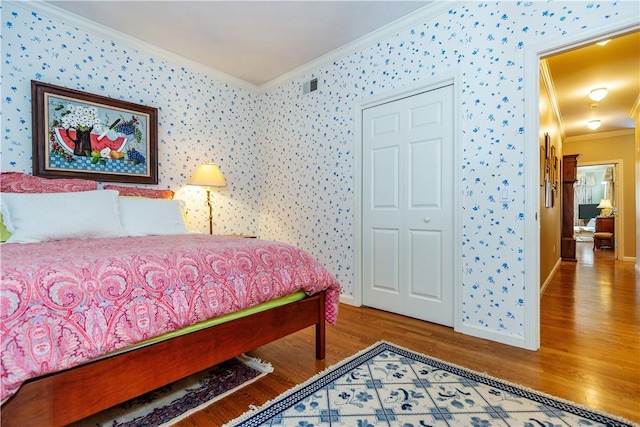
(66, 302)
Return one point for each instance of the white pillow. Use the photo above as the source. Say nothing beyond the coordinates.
(143, 216)
(38, 217)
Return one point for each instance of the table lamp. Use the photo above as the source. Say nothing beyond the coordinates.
(208, 175)
(605, 205)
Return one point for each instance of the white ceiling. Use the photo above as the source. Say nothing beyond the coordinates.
(259, 41)
(255, 41)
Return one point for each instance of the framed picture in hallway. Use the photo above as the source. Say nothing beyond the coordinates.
(553, 166)
(543, 165)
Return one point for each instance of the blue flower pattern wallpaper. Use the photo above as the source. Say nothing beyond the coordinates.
(288, 158)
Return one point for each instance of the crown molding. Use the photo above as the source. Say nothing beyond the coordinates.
(92, 27)
(419, 16)
(553, 97)
(601, 135)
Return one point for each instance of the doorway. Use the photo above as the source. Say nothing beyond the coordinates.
(533, 57)
(597, 184)
(592, 155)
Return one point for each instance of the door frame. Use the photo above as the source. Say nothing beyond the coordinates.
(451, 78)
(618, 202)
(533, 55)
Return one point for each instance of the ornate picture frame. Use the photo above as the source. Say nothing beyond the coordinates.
(543, 165)
(547, 165)
(82, 135)
(553, 167)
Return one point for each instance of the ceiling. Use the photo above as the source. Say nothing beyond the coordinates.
(615, 66)
(258, 41)
(255, 41)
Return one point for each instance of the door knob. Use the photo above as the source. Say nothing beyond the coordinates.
(427, 220)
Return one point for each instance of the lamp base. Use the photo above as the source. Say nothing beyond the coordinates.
(210, 211)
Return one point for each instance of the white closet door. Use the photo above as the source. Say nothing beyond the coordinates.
(408, 206)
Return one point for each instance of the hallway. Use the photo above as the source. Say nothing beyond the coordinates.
(590, 313)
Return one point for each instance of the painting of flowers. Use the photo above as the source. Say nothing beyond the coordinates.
(81, 135)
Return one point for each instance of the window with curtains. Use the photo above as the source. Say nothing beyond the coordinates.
(607, 181)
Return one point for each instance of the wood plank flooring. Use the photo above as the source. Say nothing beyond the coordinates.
(590, 344)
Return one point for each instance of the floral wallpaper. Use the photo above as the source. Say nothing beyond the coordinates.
(199, 119)
(289, 158)
(307, 158)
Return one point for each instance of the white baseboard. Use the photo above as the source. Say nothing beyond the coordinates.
(475, 331)
(346, 299)
(497, 336)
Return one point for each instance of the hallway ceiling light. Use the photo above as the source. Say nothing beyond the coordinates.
(593, 124)
(598, 94)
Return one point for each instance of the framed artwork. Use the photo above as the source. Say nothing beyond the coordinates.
(556, 173)
(548, 194)
(547, 145)
(553, 165)
(82, 135)
(543, 165)
(548, 170)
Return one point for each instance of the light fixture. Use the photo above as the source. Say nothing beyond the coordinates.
(208, 175)
(598, 94)
(606, 206)
(603, 43)
(593, 124)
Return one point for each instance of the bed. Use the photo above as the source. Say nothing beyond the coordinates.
(585, 233)
(87, 323)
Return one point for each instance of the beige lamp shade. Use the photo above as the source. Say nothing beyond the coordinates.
(208, 175)
(606, 206)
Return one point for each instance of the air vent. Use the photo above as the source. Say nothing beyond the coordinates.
(310, 86)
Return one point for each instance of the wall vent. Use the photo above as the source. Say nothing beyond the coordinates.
(310, 86)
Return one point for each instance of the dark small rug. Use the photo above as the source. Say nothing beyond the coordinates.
(387, 385)
(182, 398)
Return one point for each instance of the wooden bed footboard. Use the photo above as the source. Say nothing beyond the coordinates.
(71, 395)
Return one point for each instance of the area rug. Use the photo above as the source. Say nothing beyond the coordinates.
(386, 385)
(171, 403)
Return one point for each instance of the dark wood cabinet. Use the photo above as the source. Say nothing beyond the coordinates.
(569, 177)
(604, 224)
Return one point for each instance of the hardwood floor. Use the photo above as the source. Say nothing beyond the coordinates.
(590, 344)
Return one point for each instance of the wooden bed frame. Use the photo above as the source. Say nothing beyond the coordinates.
(71, 395)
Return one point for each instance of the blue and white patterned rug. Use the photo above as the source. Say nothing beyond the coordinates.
(386, 385)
